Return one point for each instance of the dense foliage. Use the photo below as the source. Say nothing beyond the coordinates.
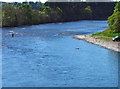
(114, 20)
(19, 14)
(84, 10)
(26, 15)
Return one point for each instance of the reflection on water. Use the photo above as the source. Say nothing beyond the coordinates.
(47, 55)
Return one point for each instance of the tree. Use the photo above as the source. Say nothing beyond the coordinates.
(114, 20)
(9, 15)
(24, 14)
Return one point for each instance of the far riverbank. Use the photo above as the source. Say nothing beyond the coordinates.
(54, 22)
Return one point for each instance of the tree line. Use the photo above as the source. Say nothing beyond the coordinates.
(25, 14)
(19, 14)
(84, 10)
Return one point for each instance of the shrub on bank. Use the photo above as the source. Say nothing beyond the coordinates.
(114, 20)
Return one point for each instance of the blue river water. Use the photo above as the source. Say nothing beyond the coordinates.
(46, 56)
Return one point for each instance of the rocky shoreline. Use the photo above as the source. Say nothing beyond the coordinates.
(106, 44)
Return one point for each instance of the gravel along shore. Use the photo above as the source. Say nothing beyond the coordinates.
(106, 44)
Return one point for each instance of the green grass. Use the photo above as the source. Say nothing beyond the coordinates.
(103, 38)
(111, 34)
(96, 34)
(105, 35)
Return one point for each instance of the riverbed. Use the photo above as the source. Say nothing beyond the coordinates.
(47, 55)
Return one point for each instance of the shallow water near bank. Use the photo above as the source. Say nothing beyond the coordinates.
(47, 55)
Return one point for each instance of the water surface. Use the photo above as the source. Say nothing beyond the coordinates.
(46, 55)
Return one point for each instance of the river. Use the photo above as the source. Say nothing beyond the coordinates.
(47, 55)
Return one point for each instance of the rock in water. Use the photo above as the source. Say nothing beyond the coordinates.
(77, 48)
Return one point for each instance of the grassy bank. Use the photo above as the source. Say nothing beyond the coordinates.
(105, 35)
